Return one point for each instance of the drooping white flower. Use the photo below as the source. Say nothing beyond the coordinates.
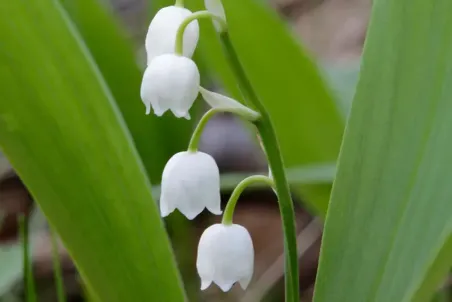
(225, 256)
(216, 100)
(170, 82)
(161, 35)
(190, 183)
(216, 8)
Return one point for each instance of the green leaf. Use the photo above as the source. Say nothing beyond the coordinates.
(307, 122)
(437, 273)
(156, 139)
(389, 218)
(62, 133)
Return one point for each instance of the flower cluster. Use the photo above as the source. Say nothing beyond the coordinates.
(191, 179)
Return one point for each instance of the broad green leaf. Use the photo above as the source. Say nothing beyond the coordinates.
(156, 139)
(62, 133)
(389, 217)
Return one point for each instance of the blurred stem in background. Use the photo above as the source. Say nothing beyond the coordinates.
(30, 290)
(57, 270)
(271, 146)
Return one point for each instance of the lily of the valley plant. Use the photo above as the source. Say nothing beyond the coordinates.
(191, 179)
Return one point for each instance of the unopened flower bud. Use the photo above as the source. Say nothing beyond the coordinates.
(161, 35)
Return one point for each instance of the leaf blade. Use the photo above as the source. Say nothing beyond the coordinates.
(391, 167)
(94, 166)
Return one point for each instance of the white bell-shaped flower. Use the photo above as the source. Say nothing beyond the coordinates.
(170, 82)
(225, 256)
(216, 8)
(190, 183)
(161, 35)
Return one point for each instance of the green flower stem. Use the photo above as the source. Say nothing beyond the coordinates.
(29, 284)
(196, 136)
(179, 3)
(230, 207)
(57, 271)
(179, 45)
(271, 146)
